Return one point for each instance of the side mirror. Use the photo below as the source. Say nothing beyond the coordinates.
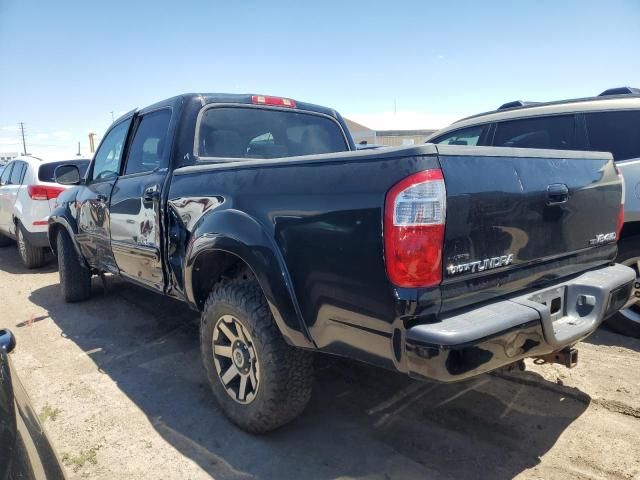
(67, 175)
(7, 340)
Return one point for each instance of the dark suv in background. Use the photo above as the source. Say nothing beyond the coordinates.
(609, 122)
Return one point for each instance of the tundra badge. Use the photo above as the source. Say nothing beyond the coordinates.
(481, 265)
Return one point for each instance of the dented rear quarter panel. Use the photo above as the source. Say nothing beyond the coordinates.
(311, 229)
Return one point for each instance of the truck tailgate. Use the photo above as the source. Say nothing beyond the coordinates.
(517, 218)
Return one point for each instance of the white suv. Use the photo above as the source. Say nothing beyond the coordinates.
(609, 122)
(27, 196)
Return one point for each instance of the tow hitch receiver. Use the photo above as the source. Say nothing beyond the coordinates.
(567, 357)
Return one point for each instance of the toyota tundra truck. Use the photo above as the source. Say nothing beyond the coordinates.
(440, 262)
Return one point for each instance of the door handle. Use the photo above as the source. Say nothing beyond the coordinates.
(557, 193)
(151, 193)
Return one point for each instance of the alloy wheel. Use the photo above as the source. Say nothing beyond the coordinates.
(235, 359)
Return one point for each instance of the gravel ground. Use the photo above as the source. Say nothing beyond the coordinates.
(118, 382)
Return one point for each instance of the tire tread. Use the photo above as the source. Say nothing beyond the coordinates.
(34, 256)
(289, 370)
(628, 248)
(75, 278)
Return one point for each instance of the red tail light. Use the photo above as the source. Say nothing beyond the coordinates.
(621, 211)
(414, 219)
(43, 192)
(276, 101)
(620, 222)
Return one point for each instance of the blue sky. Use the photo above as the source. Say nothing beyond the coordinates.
(65, 65)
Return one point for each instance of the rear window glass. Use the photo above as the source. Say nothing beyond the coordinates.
(236, 132)
(467, 136)
(555, 132)
(615, 132)
(47, 172)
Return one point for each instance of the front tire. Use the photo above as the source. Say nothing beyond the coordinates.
(259, 381)
(32, 257)
(627, 320)
(75, 277)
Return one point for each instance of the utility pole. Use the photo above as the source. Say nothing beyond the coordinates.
(24, 144)
(92, 145)
(78, 154)
(112, 119)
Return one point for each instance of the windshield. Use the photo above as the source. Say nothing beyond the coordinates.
(238, 132)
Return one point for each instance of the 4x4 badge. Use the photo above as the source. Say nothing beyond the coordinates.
(602, 238)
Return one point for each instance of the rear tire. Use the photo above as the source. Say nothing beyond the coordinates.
(627, 321)
(267, 383)
(32, 257)
(5, 241)
(75, 278)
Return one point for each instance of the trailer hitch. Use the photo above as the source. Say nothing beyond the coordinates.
(567, 356)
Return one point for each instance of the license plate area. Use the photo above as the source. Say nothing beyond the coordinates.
(554, 299)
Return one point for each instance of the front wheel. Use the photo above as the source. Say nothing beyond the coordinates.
(75, 277)
(627, 320)
(259, 381)
(32, 257)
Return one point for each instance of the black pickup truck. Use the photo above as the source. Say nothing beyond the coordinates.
(441, 262)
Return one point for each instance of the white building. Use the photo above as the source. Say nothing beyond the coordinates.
(6, 156)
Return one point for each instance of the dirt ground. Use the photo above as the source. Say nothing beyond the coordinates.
(118, 383)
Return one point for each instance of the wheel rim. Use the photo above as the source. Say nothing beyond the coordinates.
(632, 311)
(235, 359)
(22, 248)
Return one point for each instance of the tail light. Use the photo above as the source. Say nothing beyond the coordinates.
(414, 219)
(274, 101)
(621, 211)
(43, 192)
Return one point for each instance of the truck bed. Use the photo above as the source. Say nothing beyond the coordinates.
(323, 215)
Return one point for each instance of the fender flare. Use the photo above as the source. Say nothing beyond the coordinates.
(59, 219)
(234, 232)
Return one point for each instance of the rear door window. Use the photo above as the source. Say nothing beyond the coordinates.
(615, 132)
(238, 132)
(147, 148)
(467, 136)
(554, 132)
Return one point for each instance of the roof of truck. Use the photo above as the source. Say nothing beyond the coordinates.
(237, 98)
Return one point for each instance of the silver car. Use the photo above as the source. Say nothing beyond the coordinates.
(609, 122)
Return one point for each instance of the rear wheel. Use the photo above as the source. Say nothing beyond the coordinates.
(627, 320)
(4, 241)
(75, 277)
(259, 381)
(32, 257)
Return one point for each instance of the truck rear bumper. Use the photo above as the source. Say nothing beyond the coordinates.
(482, 339)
